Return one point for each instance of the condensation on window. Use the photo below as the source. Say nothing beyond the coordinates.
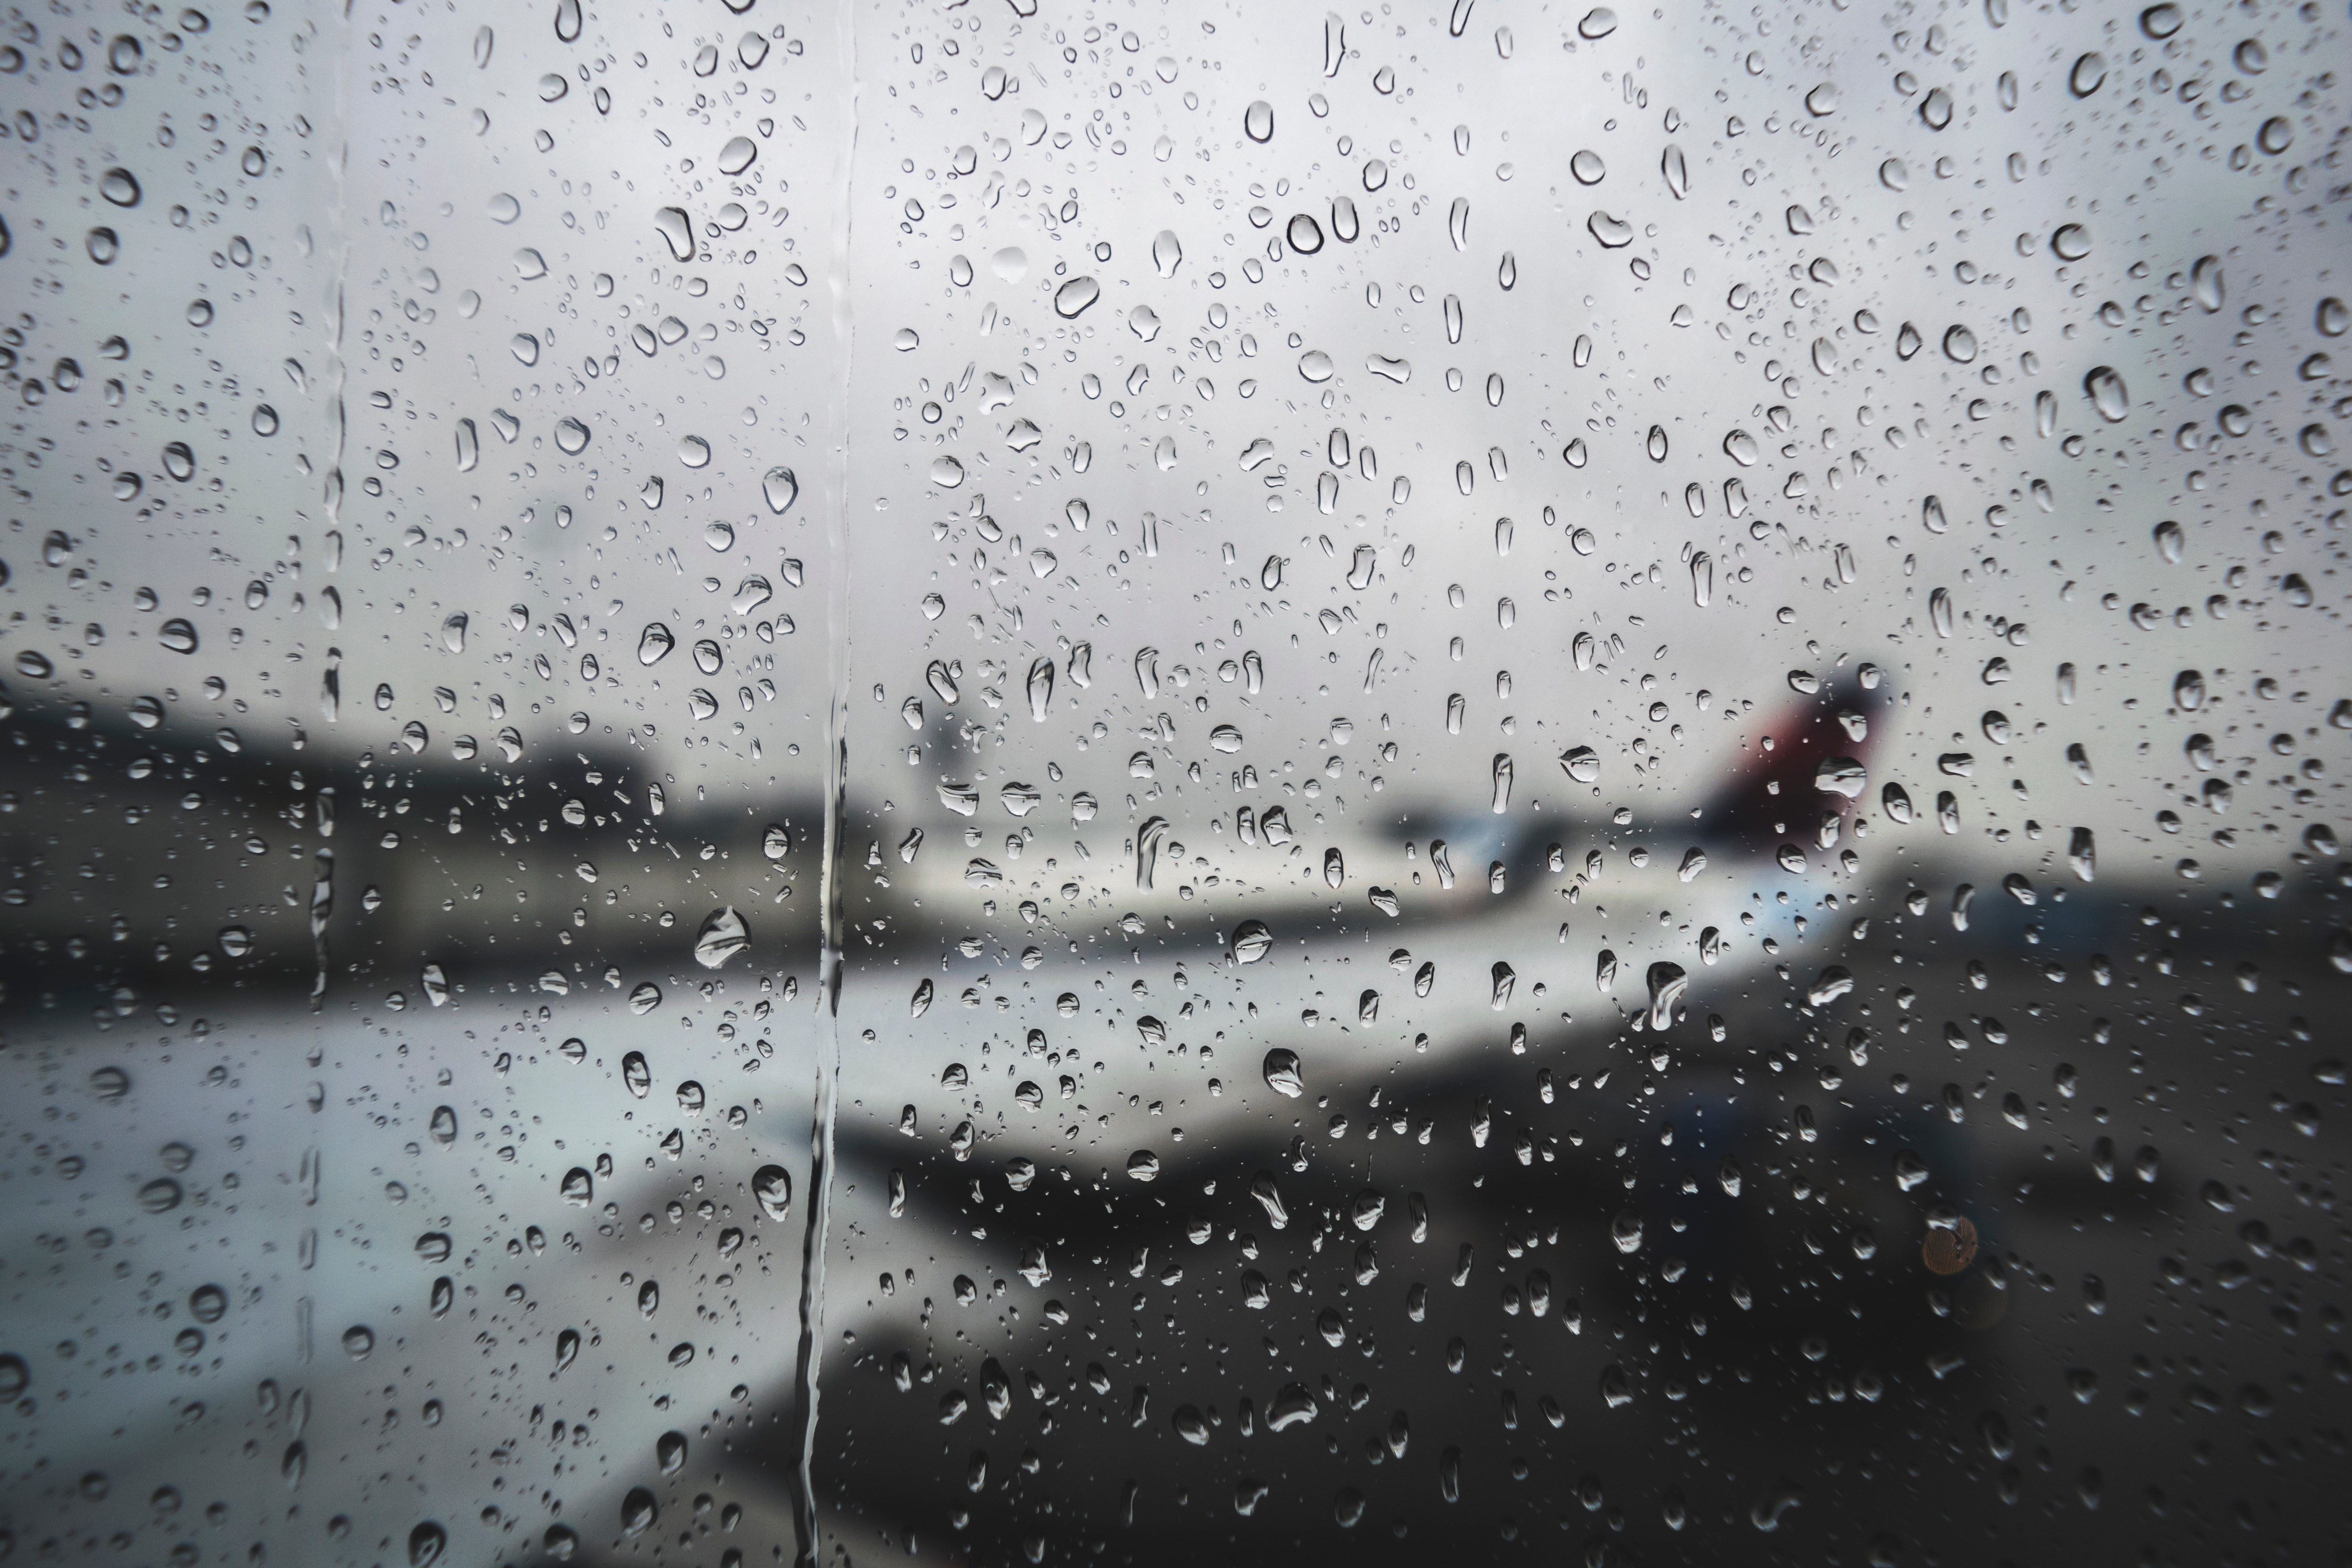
(1011, 781)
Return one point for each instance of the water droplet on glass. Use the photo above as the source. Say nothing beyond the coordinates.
(653, 643)
(772, 1186)
(1667, 983)
(1611, 232)
(1257, 121)
(1041, 689)
(1289, 1407)
(1149, 839)
(1072, 296)
(2106, 394)
(722, 935)
(2205, 282)
(779, 489)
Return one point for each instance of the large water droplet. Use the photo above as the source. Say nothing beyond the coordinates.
(2107, 394)
(2205, 282)
(1041, 689)
(722, 936)
(773, 1185)
(678, 230)
(1072, 296)
(780, 488)
(1666, 982)
(653, 644)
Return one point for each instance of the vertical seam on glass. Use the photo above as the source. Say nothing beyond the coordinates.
(828, 997)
